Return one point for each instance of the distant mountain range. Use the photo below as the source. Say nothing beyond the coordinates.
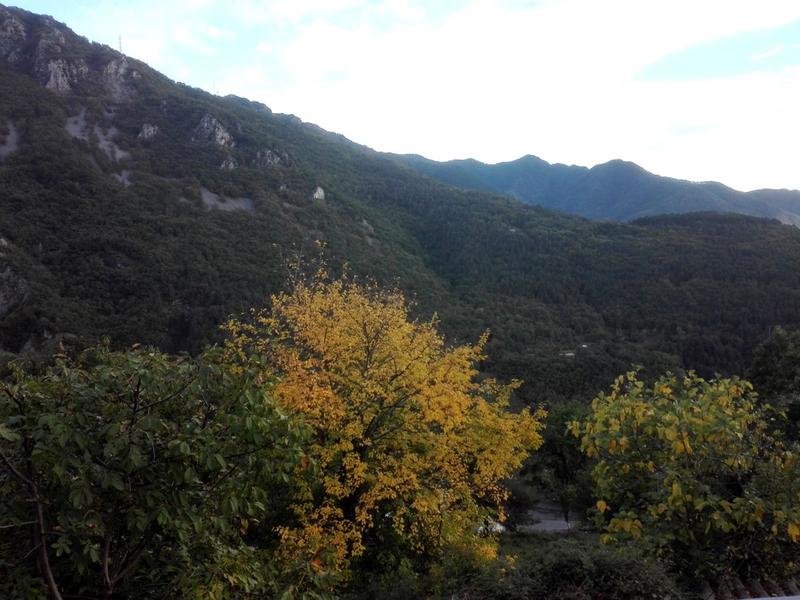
(138, 208)
(616, 190)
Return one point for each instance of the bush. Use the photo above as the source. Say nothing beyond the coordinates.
(571, 569)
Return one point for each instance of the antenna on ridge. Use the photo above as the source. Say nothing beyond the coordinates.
(120, 44)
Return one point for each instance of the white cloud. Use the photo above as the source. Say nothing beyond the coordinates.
(767, 53)
(495, 82)
(492, 79)
(265, 47)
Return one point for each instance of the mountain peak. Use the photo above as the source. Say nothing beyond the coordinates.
(618, 165)
(616, 190)
(531, 158)
(60, 60)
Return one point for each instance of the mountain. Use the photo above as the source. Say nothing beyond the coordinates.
(615, 191)
(148, 211)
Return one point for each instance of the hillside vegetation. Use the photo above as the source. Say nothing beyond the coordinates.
(138, 208)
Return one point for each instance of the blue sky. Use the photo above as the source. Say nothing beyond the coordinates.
(697, 89)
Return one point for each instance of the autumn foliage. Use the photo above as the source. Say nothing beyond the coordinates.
(697, 469)
(410, 447)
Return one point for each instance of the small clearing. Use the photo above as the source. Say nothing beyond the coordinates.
(546, 517)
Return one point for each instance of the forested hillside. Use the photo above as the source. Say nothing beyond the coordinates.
(616, 190)
(138, 208)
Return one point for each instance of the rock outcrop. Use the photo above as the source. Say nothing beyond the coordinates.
(59, 74)
(123, 177)
(117, 77)
(11, 143)
(214, 201)
(106, 143)
(14, 291)
(50, 67)
(76, 126)
(148, 131)
(229, 164)
(270, 158)
(45, 58)
(368, 227)
(210, 130)
(13, 35)
(45, 48)
(319, 194)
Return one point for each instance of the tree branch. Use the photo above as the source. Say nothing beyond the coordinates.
(12, 525)
(16, 472)
(106, 576)
(41, 537)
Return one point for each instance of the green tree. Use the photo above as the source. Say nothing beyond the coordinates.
(559, 469)
(775, 373)
(137, 472)
(694, 467)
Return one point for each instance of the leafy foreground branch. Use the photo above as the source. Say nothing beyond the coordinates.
(139, 471)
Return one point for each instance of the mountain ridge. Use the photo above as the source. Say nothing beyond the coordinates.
(615, 190)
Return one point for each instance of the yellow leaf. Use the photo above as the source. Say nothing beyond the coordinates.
(676, 489)
(794, 531)
(602, 506)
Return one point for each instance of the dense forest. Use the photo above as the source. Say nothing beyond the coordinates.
(190, 212)
(244, 357)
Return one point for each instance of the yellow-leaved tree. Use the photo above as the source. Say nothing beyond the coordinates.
(698, 469)
(410, 447)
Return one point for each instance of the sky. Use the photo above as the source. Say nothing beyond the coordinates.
(694, 89)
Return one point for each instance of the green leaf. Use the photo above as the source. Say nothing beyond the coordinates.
(7, 434)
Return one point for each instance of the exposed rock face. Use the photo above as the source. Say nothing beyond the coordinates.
(148, 131)
(124, 177)
(13, 35)
(46, 57)
(210, 130)
(59, 74)
(215, 201)
(51, 68)
(229, 164)
(76, 126)
(270, 158)
(105, 141)
(367, 227)
(117, 78)
(14, 291)
(319, 194)
(11, 143)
